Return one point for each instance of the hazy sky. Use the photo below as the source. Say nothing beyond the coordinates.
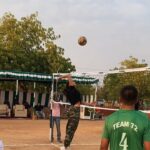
(115, 29)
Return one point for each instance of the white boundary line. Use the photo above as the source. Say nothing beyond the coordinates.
(26, 145)
(52, 144)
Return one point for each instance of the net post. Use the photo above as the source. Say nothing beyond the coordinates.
(33, 114)
(51, 107)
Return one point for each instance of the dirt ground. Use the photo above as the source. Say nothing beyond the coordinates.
(34, 135)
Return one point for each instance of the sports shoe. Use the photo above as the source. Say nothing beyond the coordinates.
(52, 140)
(1, 145)
(63, 148)
(59, 141)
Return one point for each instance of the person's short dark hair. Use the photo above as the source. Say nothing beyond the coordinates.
(129, 94)
(137, 106)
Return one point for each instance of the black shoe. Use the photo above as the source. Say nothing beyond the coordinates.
(59, 141)
(52, 140)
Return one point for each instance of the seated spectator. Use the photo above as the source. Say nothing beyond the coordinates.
(27, 106)
(39, 111)
(7, 103)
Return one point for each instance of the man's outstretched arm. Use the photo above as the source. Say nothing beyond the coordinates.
(70, 80)
(104, 144)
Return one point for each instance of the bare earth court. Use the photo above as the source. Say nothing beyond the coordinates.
(23, 134)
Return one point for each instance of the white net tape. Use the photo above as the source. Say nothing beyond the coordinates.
(94, 107)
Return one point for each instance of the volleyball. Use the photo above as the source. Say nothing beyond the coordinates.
(82, 41)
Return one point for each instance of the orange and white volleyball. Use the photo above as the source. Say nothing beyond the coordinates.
(82, 41)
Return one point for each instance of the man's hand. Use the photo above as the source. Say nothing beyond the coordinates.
(68, 76)
(65, 76)
(147, 145)
(104, 144)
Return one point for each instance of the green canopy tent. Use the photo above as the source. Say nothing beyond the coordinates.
(40, 77)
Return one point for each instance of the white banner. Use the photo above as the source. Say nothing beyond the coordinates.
(83, 98)
(91, 98)
(20, 97)
(11, 93)
(36, 98)
(2, 97)
(29, 97)
(43, 99)
(87, 99)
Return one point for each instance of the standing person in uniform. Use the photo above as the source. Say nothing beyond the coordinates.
(127, 129)
(56, 120)
(74, 97)
(1, 145)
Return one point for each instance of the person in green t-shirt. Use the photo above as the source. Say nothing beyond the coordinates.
(127, 129)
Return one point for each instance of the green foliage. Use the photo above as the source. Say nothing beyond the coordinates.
(86, 89)
(132, 62)
(25, 45)
(114, 82)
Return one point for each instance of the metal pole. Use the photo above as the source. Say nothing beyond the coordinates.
(34, 86)
(16, 97)
(51, 108)
(33, 114)
(95, 99)
(16, 87)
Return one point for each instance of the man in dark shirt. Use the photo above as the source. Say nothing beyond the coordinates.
(28, 107)
(74, 97)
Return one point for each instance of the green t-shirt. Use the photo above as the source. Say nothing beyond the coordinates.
(127, 130)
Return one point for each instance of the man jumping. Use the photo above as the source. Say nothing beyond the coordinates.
(74, 97)
(127, 129)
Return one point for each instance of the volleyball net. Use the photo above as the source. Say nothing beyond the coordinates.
(94, 107)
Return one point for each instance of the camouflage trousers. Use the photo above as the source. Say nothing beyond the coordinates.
(73, 121)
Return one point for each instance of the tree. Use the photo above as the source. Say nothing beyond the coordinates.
(139, 79)
(132, 62)
(25, 45)
(114, 82)
(86, 89)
